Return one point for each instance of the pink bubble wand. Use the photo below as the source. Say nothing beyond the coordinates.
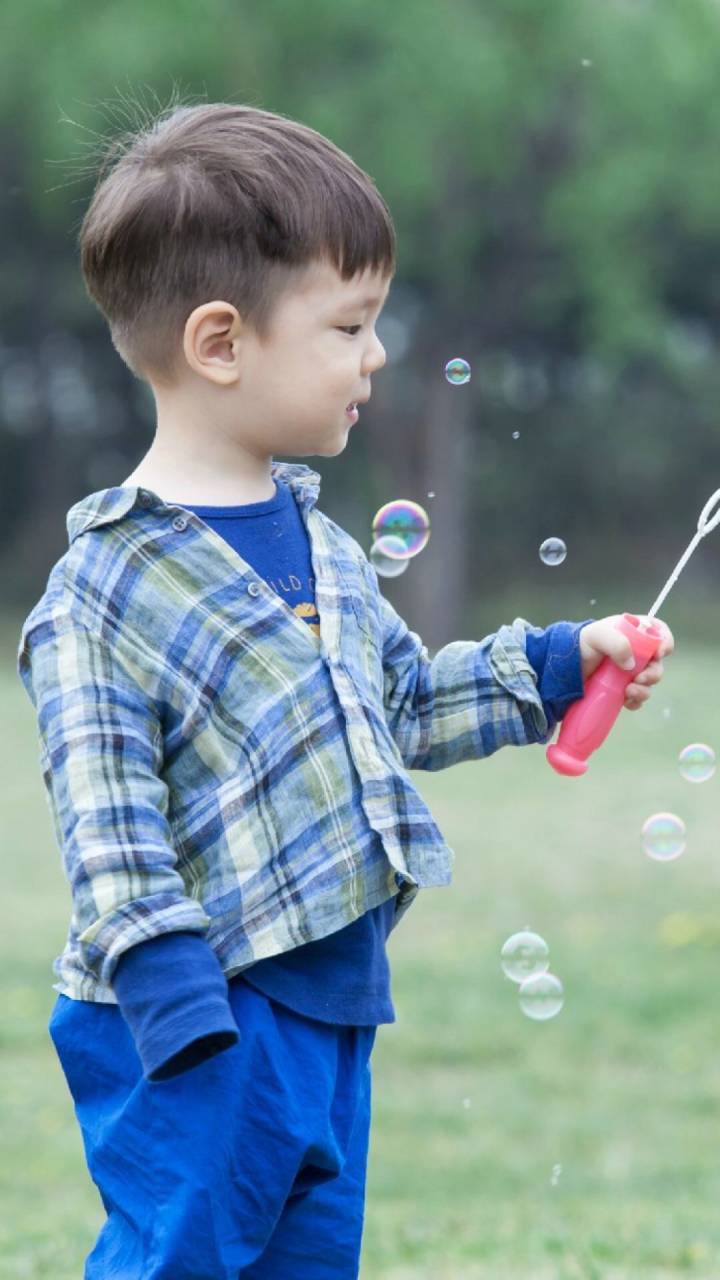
(590, 719)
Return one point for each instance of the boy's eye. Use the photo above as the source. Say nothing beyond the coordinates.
(351, 328)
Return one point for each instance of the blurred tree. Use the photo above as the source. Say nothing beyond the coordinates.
(551, 172)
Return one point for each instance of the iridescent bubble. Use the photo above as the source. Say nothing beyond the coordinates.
(663, 836)
(457, 371)
(406, 521)
(541, 996)
(524, 954)
(553, 551)
(697, 762)
(389, 557)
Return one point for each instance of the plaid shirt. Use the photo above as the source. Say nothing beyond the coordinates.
(211, 764)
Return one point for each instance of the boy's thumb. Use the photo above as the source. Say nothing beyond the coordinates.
(621, 651)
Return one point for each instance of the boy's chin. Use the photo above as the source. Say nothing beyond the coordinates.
(339, 447)
(328, 448)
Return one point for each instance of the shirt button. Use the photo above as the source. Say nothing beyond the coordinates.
(180, 523)
(254, 589)
(144, 498)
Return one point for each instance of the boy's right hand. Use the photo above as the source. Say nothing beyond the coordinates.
(602, 639)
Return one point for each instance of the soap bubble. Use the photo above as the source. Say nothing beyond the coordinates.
(524, 954)
(457, 371)
(541, 996)
(697, 762)
(389, 557)
(655, 717)
(553, 551)
(407, 522)
(664, 836)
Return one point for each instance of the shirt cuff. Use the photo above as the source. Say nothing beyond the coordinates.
(554, 654)
(176, 1020)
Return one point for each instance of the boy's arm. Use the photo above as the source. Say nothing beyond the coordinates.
(474, 697)
(102, 757)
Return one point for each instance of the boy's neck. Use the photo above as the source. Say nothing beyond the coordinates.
(221, 491)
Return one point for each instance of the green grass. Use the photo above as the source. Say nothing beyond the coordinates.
(473, 1103)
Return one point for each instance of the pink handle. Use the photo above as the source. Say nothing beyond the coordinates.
(590, 719)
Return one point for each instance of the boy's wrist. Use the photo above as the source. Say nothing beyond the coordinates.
(554, 653)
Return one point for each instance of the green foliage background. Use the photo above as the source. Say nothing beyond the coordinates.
(553, 174)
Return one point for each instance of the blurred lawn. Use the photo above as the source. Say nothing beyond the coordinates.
(473, 1103)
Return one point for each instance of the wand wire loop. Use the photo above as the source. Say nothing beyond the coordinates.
(705, 525)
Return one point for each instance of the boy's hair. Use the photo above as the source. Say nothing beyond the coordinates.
(219, 200)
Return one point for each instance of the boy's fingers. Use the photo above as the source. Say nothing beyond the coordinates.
(635, 696)
(652, 673)
(618, 648)
(606, 639)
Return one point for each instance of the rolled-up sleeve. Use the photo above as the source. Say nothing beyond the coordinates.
(101, 752)
(466, 702)
(555, 656)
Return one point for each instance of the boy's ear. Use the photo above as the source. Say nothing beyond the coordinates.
(211, 341)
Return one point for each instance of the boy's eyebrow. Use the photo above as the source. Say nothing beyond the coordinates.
(362, 302)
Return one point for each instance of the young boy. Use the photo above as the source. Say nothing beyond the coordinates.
(228, 709)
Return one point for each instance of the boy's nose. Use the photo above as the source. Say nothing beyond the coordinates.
(375, 359)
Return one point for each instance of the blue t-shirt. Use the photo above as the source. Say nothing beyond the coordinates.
(344, 977)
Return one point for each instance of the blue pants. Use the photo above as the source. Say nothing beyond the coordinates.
(251, 1164)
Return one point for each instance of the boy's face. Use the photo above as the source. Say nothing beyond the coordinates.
(290, 393)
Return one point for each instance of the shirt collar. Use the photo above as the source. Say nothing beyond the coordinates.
(111, 504)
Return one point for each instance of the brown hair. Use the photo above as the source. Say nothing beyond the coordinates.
(219, 200)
